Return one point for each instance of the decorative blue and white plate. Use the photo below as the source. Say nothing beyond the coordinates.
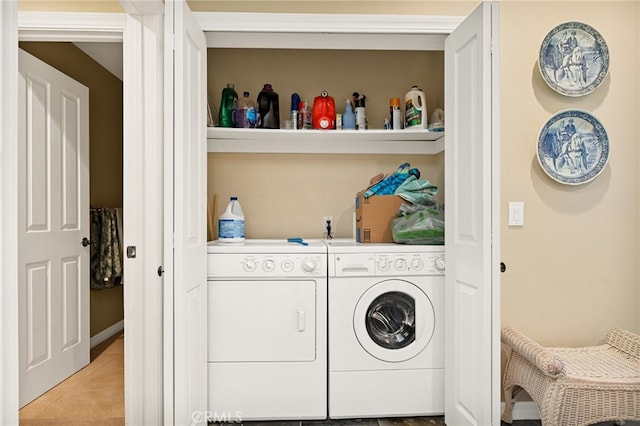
(574, 59)
(573, 147)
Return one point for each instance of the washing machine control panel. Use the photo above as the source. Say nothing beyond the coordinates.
(388, 264)
(266, 265)
(409, 264)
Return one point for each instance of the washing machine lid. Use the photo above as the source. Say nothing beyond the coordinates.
(266, 246)
(394, 320)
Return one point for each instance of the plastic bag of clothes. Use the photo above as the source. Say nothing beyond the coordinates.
(419, 225)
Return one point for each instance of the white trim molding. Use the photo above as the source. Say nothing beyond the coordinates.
(9, 360)
(105, 334)
(71, 26)
(326, 31)
(301, 23)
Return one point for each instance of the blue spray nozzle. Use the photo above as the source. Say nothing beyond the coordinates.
(295, 101)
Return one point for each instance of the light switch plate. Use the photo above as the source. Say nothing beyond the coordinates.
(516, 213)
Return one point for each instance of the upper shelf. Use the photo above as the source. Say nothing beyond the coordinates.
(222, 139)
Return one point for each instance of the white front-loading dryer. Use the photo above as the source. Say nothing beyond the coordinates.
(386, 330)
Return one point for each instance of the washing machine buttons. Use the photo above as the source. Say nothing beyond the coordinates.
(439, 263)
(249, 265)
(287, 265)
(400, 264)
(268, 265)
(416, 264)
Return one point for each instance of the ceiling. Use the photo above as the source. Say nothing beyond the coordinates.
(109, 55)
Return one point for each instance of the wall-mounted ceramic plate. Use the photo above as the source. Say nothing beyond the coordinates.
(573, 147)
(574, 59)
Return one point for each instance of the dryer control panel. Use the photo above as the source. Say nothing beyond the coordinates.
(266, 265)
(387, 264)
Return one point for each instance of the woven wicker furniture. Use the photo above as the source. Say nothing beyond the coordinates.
(575, 386)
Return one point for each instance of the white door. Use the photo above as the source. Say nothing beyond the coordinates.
(186, 157)
(53, 218)
(471, 396)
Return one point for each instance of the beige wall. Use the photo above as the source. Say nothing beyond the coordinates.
(299, 190)
(105, 150)
(108, 6)
(572, 270)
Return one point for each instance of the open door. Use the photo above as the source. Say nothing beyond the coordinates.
(53, 226)
(185, 221)
(472, 288)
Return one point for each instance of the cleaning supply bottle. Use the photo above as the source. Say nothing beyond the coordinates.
(349, 117)
(305, 119)
(324, 112)
(247, 112)
(231, 223)
(415, 111)
(395, 123)
(295, 104)
(228, 105)
(361, 115)
(269, 108)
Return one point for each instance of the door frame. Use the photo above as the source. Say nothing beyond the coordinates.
(141, 35)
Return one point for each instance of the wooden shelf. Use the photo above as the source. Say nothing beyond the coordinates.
(222, 139)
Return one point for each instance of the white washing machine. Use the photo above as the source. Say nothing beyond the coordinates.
(267, 338)
(386, 330)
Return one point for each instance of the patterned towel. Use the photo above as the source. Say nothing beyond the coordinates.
(106, 261)
(388, 185)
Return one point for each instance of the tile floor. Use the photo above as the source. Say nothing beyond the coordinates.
(93, 396)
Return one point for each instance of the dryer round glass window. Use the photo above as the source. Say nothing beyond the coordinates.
(394, 320)
(391, 320)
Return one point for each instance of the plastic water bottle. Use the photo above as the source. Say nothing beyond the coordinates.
(415, 112)
(228, 104)
(231, 223)
(247, 112)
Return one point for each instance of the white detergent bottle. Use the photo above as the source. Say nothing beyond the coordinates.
(231, 223)
(415, 112)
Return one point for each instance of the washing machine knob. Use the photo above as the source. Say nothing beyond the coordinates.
(439, 263)
(309, 265)
(384, 265)
(417, 264)
(400, 264)
(249, 265)
(268, 265)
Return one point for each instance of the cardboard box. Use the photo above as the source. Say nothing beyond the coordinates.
(374, 216)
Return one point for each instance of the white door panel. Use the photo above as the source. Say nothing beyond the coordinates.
(53, 218)
(185, 93)
(468, 159)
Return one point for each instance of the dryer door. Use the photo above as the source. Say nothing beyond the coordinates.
(262, 321)
(394, 320)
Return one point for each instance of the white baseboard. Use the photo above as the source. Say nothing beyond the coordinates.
(524, 410)
(106, 333)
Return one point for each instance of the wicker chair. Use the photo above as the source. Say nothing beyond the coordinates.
(575, 386)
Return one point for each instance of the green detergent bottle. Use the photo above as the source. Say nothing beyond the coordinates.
(228, 105)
